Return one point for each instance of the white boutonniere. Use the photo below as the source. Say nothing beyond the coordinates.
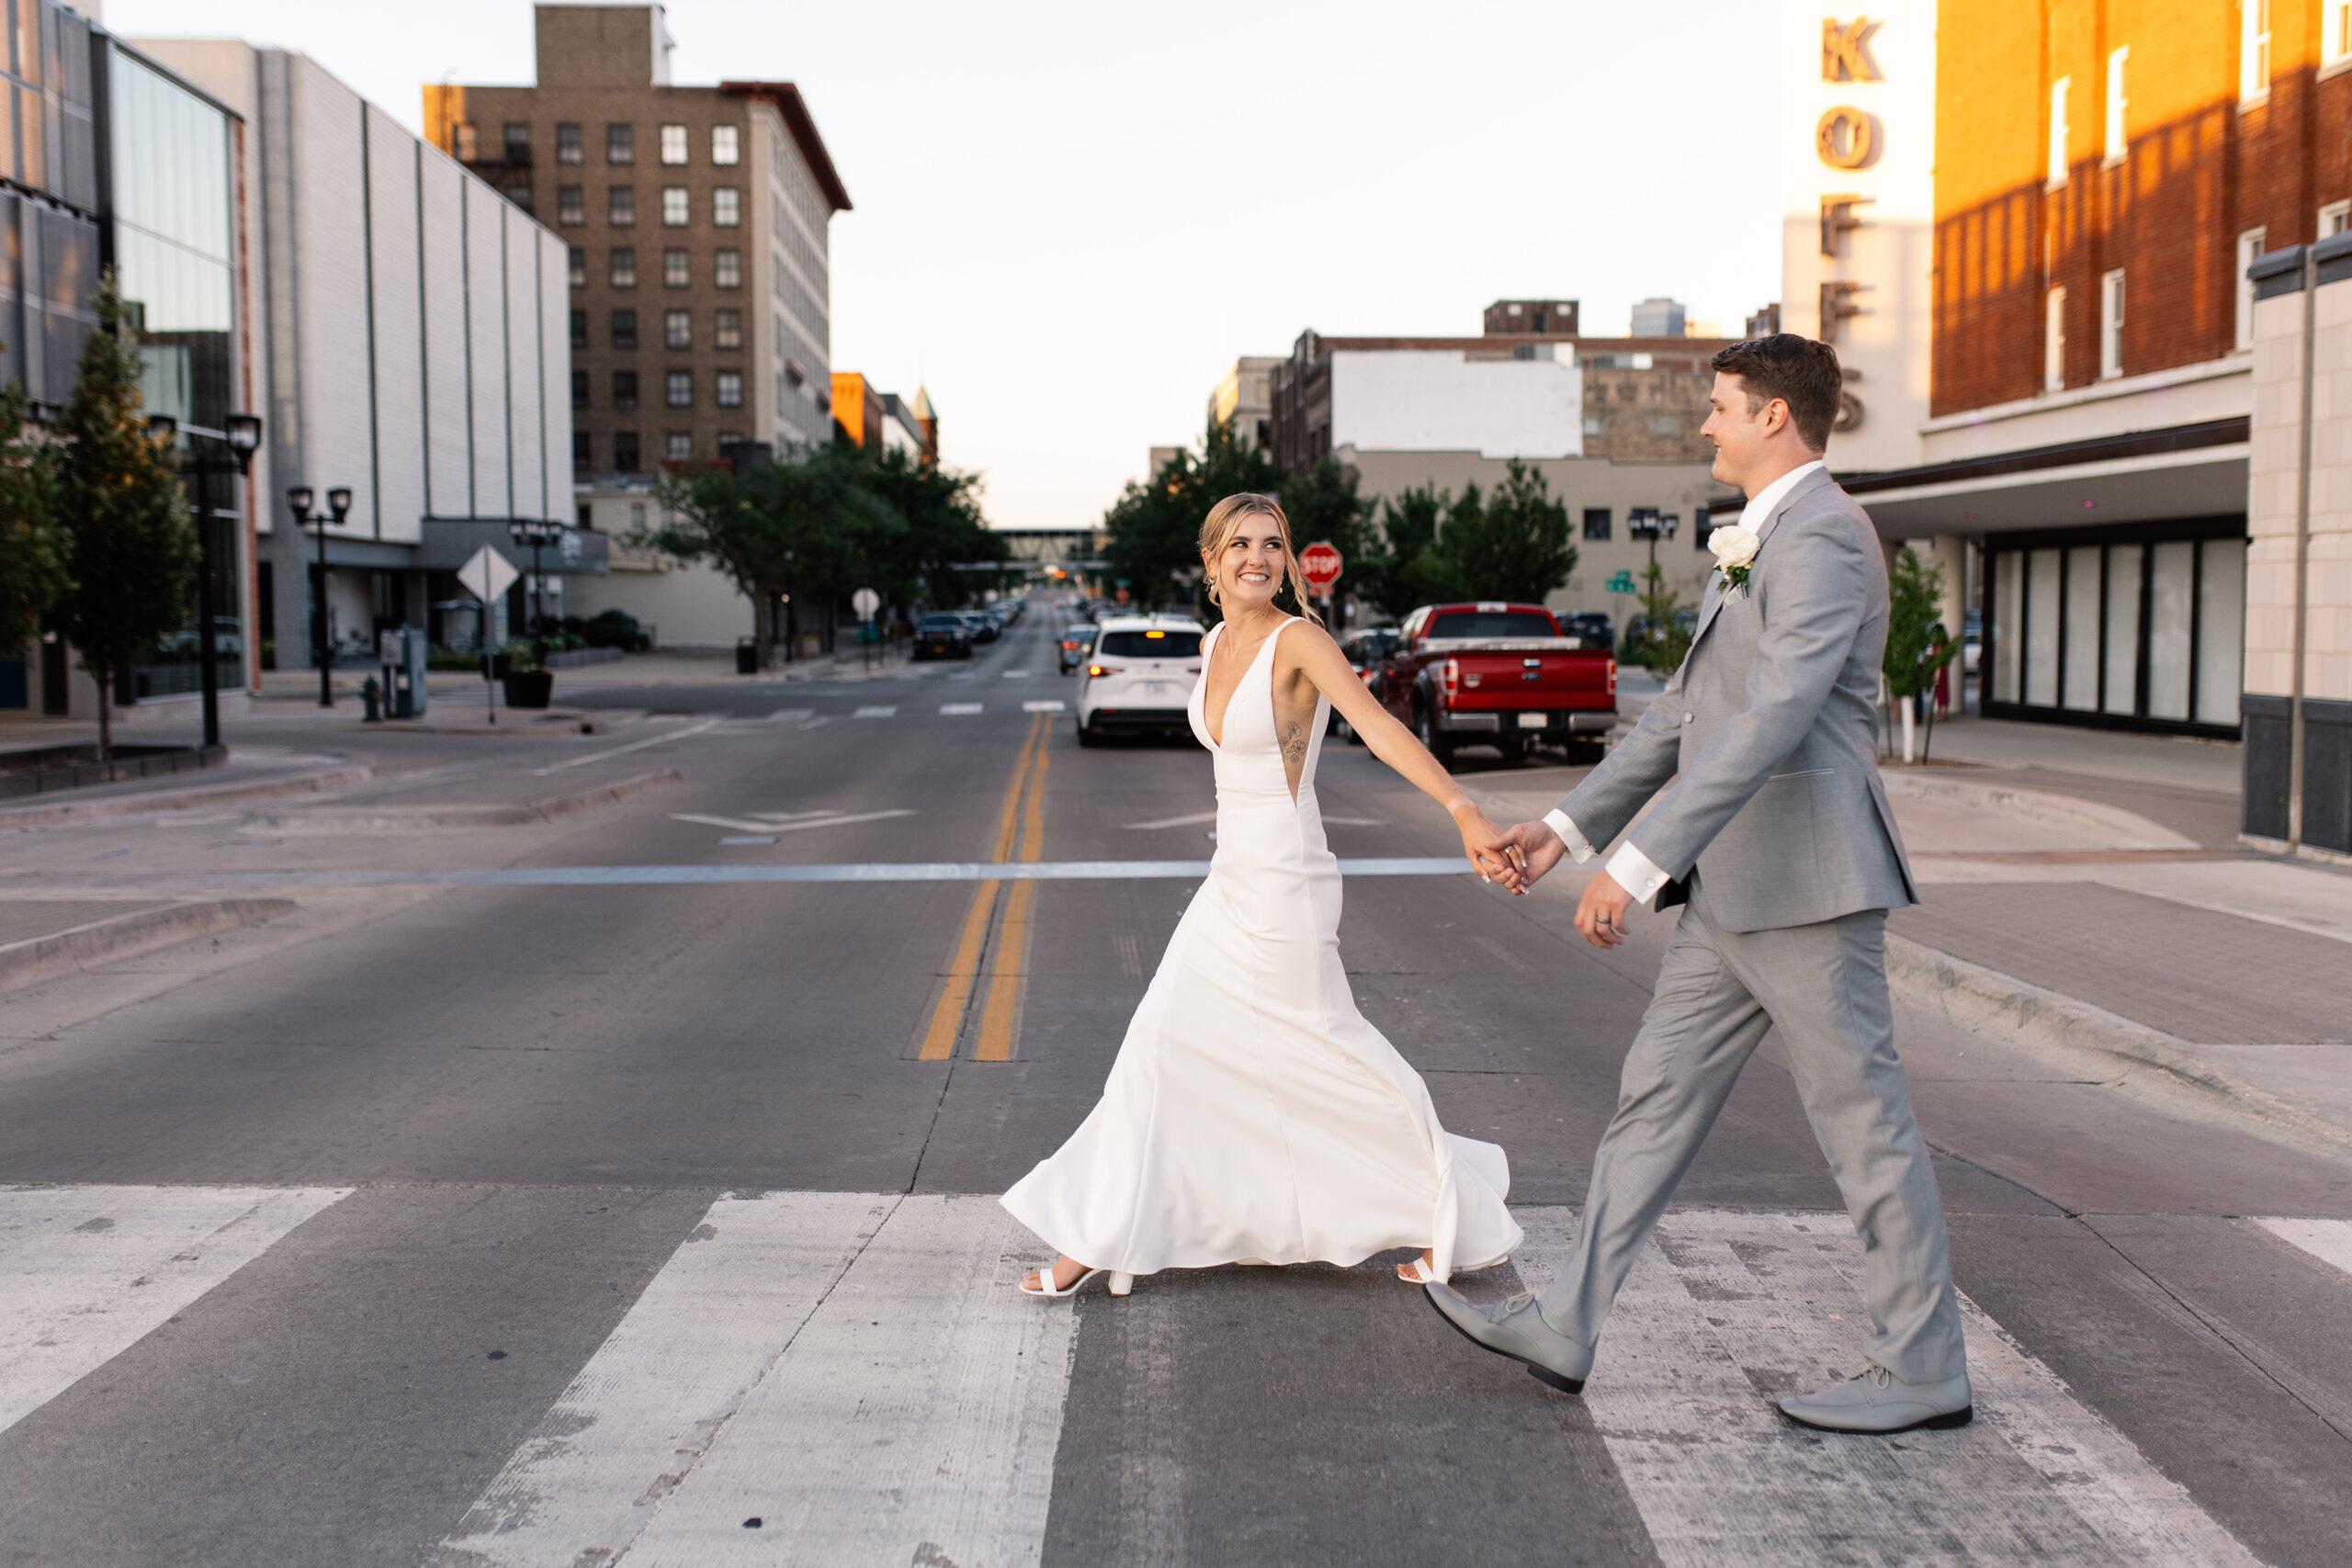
(1735, 547)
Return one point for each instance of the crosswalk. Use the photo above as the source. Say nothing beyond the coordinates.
(852, 1377)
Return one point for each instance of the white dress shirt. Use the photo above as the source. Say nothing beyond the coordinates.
(1629, 868)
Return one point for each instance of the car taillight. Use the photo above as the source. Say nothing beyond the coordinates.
(1612, 675)
(1101, 669)
(1452, 676)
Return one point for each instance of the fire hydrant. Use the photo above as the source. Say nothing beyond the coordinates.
(372, 695)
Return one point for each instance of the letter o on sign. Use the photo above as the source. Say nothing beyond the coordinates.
(1844, 138)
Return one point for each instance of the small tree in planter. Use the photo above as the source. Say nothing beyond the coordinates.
(1915, 592)
(130, 547)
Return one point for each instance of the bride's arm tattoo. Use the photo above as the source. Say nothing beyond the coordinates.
(1295, 743)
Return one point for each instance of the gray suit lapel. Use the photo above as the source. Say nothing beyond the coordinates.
(1713, 603)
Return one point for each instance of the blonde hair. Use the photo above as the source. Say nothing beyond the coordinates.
(1225, 520)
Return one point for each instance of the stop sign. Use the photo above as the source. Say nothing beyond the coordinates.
(1320, 565)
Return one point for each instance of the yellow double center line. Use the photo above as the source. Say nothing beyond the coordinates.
(1002, 1014)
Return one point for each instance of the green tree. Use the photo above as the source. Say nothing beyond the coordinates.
(131, 549)
(943, 532)
(1514, 546)
(1323, 505)
(1915, 598)
(1155, 527)
(32, 548)
(1664, 641)
(1410, 569)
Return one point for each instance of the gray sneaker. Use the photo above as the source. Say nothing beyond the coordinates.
(1515, 1328)
(1878, 1400)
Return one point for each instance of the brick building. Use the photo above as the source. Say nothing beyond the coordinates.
(2106, 170)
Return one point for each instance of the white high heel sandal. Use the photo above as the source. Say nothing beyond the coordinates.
(1418, 1272)
(1120, 1283)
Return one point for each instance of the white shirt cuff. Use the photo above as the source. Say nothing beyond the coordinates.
(1636, 874)
(1579, 847)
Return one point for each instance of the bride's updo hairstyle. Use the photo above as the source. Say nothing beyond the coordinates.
(1225, 520)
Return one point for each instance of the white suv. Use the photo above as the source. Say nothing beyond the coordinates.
(1139, 678)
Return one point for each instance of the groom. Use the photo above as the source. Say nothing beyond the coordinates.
(1778, 836)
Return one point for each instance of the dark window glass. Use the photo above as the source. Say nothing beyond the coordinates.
(519, 193)
(678, 329)
(579, 390)
(621, 144)
(570, 205)
(624, 271)
(1149, 645)
(727, 267)
(729, 388)
(726, 329)
(620, 206)
(518, 142)
(624, 389)
(681, 384)
(577, 258)
(583, 453)
(677, 271)
(624, 329)
(1494, 623)
(1596, 522)
(567, 144)
(624, 451)
(580, 329)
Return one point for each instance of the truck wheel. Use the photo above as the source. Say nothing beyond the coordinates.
(1440, 746)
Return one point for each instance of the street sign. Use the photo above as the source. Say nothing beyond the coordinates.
(487, 574)
(866, 601)
(1620, 583)
(1319, 563)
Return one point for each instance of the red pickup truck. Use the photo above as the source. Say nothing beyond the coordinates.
(1497, 674)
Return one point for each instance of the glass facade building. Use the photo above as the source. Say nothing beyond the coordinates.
(174, 226)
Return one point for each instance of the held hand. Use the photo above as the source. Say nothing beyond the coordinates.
(1531, 848)
(1490, 863)
(1601, 913)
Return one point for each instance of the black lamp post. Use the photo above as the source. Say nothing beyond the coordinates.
(536, 534)
(1649, 523)
(300, 498)
(242, 438)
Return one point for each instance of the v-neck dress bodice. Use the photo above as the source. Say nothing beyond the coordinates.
(1253, 1113)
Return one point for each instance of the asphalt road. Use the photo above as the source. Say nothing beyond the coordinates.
(644, 1217)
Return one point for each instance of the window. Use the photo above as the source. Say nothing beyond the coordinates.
(579, 390)
(637, 517)
(518, 142)
(728, 390)
(727, 207)
(568, 149)
(580, 329)
(678, 329)
(2334, 219)
(468, 142)
(576, 262)
(681, 446)
(2118, 144)
(675, 208)
(621, 144)
(624, 329)
(1596, 522)
(726, 329)
(1493, 623)
(624, 451)
(582, 452)
(620, 206)
(673, 144)
(624, 390)
(571, 206)
(2111, 324)
(676, 271)
(2054, 342)
(1594, 426)
(2254, 51)
(2057, 176)
(727, 267)
(623, 269)
(1666, 426)
(681, 388)
(2335, 32)
(723, 150)
(519, 193)
(2249, 248)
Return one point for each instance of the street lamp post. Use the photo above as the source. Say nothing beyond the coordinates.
(300, 498)
(242, 437)
(1649, 523)
(536, 534)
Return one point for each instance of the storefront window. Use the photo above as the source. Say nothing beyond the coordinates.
(2171, 581)
(2124, 627)
(2042, 628)
(2082, 628)
(2221, 629)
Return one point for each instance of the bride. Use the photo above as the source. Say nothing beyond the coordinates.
(1252, 1114)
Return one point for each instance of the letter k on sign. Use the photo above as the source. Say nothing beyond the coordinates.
(1845, 51)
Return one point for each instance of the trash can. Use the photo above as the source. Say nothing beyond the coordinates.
(747, 656)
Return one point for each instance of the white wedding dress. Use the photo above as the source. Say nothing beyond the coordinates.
(1253, 1113)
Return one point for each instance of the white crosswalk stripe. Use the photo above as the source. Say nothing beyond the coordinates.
(1043, 705)
(2330, 1241)
(879, 710)
(87, 1271)
(959, 709)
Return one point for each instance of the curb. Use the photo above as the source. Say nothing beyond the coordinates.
(129, 936)
(435, 818)
(2058, 1025)
(2131, 831)
(180, 800)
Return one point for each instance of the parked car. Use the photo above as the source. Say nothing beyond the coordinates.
(1139, 677)
(1497, 674)
(981, 627)
(1593, 629)
(1366, 653)
(943, 635)
(1077, 643)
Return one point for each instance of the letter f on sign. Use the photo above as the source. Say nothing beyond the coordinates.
(1845, 51)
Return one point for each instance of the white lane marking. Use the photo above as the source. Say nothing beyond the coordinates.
(1016, 674)
(740, 825)
(959, 709)
(1726, 1311)
(814, 722)
(2330, 1241)
(914, 1417)
(648, 1405)
(1048, 704)
(624, 751)
(783, 715)
(1186, 821)
(879, 710)
(87, 1271)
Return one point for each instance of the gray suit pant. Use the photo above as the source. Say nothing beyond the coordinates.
(1825, 987)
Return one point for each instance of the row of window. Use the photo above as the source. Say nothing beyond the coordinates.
(677, 329)
(620, 206)
(620, 143)
(677, 267)
(678, 446)
(1597, 522)
(678, 390)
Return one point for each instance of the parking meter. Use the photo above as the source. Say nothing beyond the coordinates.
(402, 653)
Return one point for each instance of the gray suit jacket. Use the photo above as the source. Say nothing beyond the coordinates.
(1770, 726)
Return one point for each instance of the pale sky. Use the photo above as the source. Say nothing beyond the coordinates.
(1070, 218)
